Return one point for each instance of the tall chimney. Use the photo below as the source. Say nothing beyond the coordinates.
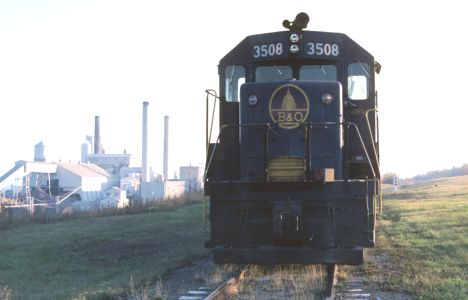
(144, 146)
(97, 135)
(166, 147)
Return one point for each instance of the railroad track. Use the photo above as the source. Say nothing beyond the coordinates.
(350, 289)
(204, 293)
(330, 282)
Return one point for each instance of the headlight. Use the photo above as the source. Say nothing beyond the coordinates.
(327, 99)
(253, 100)
(294, 48)
(294, 38)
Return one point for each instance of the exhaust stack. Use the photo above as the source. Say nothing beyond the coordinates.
(144, 146)
(166, 147)
(97, 136)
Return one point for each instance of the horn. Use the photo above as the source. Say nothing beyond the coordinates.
(302, 19)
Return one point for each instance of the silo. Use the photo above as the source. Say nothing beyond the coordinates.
(39, 152)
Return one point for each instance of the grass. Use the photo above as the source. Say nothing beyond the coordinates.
(98, 257)
(424, 228)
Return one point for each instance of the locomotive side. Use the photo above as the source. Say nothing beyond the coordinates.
(294, 174)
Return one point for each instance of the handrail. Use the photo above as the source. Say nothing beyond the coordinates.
(310, 125)
(376, 158)
(210, 92)
(372, 138)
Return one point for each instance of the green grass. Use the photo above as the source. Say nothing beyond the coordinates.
(424, 228)
(95, 257)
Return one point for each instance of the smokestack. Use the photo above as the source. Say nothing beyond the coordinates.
(166, 147)
(144, 146)
(97, 136)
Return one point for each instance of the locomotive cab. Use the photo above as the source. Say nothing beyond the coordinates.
(294, 174)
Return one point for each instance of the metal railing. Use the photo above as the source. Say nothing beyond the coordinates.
(268, 128)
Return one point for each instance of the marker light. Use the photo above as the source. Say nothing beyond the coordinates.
(327, 99)
(294, 37)
(294, 48)
(253, 100)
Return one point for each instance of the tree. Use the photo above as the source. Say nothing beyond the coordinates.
(388, 177)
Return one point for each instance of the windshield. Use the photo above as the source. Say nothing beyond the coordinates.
(358, 81)
(234, 78)
(318, 73)
(273, 73)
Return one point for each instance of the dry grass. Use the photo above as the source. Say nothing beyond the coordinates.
(145, 292)
(10, 220)
(283, 282)
(5, 293)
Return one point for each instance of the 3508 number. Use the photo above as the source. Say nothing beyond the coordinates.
(268, 50)
(323, 49)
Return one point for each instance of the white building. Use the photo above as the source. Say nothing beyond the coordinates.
(193, 178)
(88, 179)
(158, 190)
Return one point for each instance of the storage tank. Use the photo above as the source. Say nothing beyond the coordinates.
(39, 152)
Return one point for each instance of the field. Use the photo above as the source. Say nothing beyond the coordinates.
(424, 229)
(422, 238)
(98, 257)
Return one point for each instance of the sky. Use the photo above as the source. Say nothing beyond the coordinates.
(62, 62)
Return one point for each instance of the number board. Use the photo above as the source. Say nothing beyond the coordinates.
(268, 50)
(322, 49)
(311, 48)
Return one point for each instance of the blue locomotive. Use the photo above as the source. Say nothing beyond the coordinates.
(293, 176)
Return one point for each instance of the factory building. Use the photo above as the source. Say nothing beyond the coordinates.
(88, 180)
(193, 178)
(99, 180)
(158, 190)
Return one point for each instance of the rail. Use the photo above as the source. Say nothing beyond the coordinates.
(330, 282)
(220, 291)
(268, 127)
(208, 133)
(377, 162)
(231, 281)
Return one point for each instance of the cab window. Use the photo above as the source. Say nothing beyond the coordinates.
(273, 73)
(318, 73)
(358, 81)
(234, 78)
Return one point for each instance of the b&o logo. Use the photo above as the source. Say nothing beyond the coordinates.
(289, 106)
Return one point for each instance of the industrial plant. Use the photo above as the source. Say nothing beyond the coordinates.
(100, 180)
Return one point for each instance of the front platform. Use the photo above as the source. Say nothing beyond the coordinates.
(288, 255)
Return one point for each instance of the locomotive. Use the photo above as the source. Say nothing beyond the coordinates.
(293, 176)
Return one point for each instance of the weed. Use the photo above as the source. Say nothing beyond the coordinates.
(5, 293)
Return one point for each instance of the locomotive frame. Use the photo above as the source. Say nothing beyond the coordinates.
(294, 176)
